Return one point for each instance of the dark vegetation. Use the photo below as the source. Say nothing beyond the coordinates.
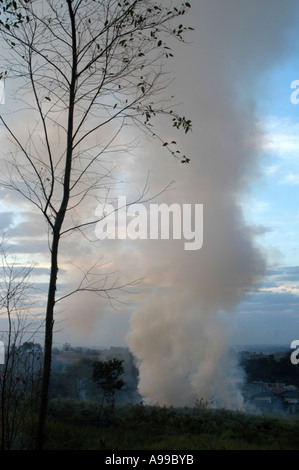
(94, 405)
(100, 376)
(75, 425)
(276, 367)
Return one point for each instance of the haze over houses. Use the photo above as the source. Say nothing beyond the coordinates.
(272, 397)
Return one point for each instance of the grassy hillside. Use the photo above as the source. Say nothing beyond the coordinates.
(75, 425)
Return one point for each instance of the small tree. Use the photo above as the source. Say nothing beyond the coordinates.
(20, 374)
(106, 374)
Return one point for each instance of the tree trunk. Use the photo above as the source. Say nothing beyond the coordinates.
(55, 243)
(48, 344)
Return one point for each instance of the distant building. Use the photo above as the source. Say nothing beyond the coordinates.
(268, 401)
(272, 397)
(291, 400)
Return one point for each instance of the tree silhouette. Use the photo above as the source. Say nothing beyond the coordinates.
(106, 374)
(20, 373)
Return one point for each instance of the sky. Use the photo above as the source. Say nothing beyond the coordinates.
(233, 80)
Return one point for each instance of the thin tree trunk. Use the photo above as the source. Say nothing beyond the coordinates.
(55, 244)
(48, 345)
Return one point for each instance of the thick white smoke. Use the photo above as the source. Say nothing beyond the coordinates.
(176, 334)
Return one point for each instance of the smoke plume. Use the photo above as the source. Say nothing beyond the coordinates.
(177, 334)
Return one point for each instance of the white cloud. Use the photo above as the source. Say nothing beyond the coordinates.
(281, 135)
(282, 289)
(292, 178)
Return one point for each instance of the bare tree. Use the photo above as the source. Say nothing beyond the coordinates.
(20, 373)
(85, 69)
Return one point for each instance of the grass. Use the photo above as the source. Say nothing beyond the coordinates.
(75, 425)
